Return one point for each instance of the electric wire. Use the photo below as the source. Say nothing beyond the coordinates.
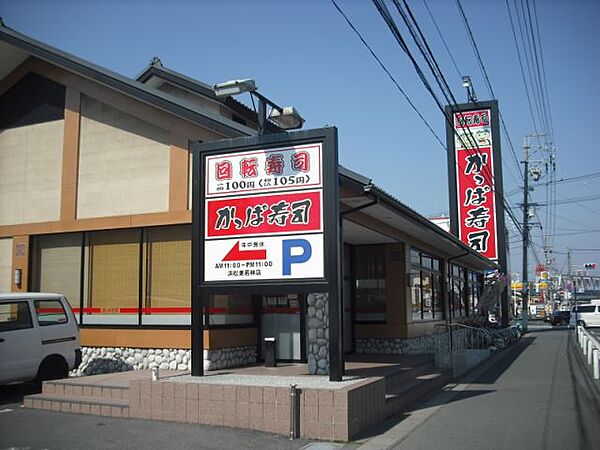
(543, 65)
(486, 77)
(405, 47)
(488, 82)
(442, 38)
(539, 68)
(512, 26)
(390, 76)
(385, 14)
(521, 20)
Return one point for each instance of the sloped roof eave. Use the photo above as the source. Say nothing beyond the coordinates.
(395, 204)
(121, 83)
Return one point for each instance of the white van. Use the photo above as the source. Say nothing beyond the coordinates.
(39, 337)
(586, 314)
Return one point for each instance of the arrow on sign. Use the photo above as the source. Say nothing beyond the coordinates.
(235, 254)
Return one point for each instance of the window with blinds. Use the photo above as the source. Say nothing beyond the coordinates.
(167, 256)
(119, 272)
(113, 276)
(56, 266)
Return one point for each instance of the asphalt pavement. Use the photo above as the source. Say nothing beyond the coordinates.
(535, 395)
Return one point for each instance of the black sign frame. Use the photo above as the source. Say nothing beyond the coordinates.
(330, 282)
(501, 235)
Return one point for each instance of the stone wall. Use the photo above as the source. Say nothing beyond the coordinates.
(317, 339)
(96, 360)
(229, 357)
(419, 344)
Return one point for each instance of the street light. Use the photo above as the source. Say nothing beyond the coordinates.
(287, 118)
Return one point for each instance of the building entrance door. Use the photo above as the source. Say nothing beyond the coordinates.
(282, 317)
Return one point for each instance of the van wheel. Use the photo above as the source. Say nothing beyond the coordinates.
(53, 368)
(581, 322)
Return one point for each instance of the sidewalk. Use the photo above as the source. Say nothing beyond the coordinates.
(534, 395)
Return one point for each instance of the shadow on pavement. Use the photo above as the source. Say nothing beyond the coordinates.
(504, 361)
(456, 397)
(549, 328)
(14, 393)
(499, 363)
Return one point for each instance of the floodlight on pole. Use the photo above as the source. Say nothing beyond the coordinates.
(468, 85)
(234, 87)
(287, 118)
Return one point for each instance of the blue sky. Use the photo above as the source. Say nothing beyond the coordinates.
(303, 53)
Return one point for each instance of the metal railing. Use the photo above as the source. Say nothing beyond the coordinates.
(590, 347)
(461, 337)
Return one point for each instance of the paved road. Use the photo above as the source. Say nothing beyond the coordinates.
(35, 430)
(534, 396)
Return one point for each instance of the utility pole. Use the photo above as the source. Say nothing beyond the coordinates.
(571, 280)
(525, 292)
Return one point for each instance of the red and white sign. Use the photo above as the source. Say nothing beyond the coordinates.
(264, 171)
(475, 182)
(288, 212)
(264, 215)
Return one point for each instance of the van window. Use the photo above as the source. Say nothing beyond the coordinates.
(15, 316)
(586, 308)
(50, 312)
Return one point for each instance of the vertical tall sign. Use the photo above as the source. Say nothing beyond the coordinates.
(475, 181)
(265, 220)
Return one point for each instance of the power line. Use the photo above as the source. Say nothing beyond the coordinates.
(385, 14)
(539, 67)
(577, 200)
(575, 178)
(526, 42)
(507, 206)
(488, 82)
(512, 26)
(391, 77)
(579, 233)
(537, 26)
(442, 38)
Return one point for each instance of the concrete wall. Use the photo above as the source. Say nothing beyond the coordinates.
(123, 163)
(6, 246)
(30, 173)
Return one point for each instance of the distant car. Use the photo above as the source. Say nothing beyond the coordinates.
(559, 318)
(587, 314)
(39, 337)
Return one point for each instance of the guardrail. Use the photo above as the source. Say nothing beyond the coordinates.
(590, 346)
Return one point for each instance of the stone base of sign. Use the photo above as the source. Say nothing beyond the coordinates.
(317, 325)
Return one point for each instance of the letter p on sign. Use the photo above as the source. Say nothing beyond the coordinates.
(295, 251)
